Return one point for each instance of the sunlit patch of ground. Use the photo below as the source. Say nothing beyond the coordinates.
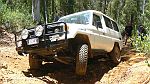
(132, 70)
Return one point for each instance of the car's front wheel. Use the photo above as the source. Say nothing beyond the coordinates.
(34, 62)
(82, 59)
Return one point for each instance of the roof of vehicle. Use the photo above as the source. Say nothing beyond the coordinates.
(98, 12)
(92, 11)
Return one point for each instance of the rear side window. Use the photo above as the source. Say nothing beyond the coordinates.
(97, 21)
(108, 22)
(115, 26)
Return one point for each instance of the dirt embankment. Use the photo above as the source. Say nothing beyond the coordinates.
(132, 70)
(6, 39)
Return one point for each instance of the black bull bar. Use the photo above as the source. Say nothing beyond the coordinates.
(44, 33)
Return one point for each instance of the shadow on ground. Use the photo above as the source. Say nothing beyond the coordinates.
(65, 73)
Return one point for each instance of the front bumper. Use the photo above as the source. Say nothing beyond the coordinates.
(44, 46)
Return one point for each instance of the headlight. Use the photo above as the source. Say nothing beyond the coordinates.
(39, 30)
(19, 44)
(24, 34)
(63, 25)
(56, 30)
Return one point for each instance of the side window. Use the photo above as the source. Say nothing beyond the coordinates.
(97, 21)
(115, 26)
(108, 22)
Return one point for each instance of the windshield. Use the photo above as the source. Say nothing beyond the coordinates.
(81, 18)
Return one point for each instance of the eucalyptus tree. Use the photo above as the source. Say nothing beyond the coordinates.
(147, 16)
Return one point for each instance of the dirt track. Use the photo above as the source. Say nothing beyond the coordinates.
(14, 70)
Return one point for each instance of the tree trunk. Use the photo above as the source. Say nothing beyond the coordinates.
(104, 7)
(36, 10)
(53, 10)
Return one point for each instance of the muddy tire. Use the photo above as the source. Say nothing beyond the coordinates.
(82, 59)
(115, 54)
(34, 63)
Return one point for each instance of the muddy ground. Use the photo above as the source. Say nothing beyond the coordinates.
(133, 69)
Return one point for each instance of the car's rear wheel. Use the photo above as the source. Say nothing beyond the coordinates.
(34, 62)
(82, 59)
(115, 54)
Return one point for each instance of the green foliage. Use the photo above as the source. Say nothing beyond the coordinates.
(146, 17)
(17, 18)
(142, 45)
(2, 10)
(148, 64)
(114, 9)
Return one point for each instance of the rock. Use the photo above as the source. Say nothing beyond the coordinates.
(3, 65)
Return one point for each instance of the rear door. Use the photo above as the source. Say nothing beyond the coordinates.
(108, 27)
(100, 37)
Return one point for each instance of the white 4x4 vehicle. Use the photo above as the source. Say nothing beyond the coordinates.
(72, 39)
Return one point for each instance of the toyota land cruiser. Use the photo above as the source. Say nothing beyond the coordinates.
(72, 39)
